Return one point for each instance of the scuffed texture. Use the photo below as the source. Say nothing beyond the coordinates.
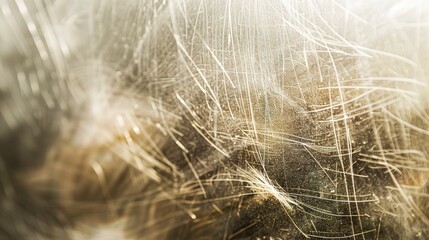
(226, 119)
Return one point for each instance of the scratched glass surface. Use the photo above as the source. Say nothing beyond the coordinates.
(226, 119)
